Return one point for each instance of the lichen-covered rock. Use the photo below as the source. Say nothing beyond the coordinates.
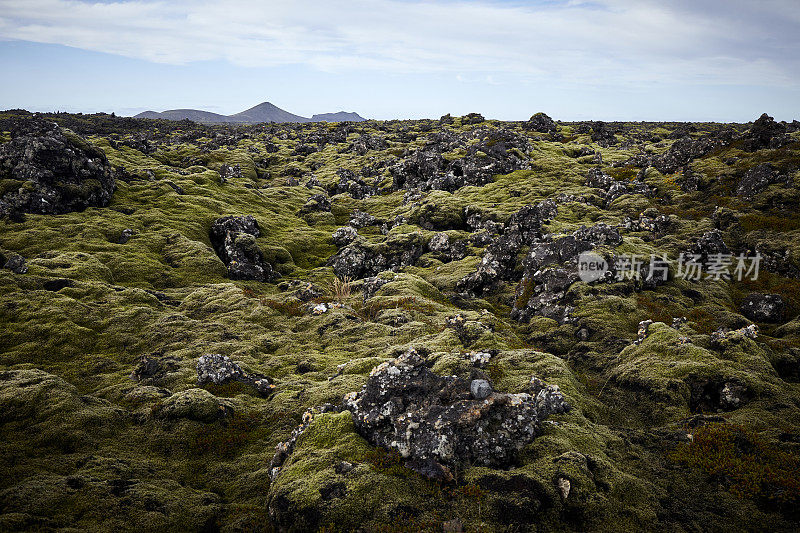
(219, 369)
(344, 236)
(55, 171)
(437, 423)
(234, 240)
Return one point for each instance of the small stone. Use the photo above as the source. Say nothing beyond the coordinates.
(564, 487)
(125, 236)
(480, 389)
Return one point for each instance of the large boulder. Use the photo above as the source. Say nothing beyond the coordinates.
(234, 240)
(55, 170)
(439, 423)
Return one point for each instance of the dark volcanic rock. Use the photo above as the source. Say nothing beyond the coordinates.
(500, 260)
(58, 172)
(497, 151)
(603, 134)
(234, 240)
(16, 264)
(551, 268)
(361, 259)
(315, 203)
(756, 180)
(541, 123)
(765, 133)
(437, 424)
(763, 307)
(219, 369)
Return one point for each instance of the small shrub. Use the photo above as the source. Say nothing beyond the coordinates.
(751, 467)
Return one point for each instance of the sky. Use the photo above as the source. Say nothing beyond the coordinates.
(687, 60)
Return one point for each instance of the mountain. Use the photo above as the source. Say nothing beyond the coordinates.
(264, 112)
(341, 116)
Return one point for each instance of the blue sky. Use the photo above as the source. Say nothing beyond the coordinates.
(608, 59)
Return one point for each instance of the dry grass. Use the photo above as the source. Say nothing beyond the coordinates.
(341, 288)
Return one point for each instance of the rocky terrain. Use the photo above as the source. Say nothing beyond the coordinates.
(393, 326)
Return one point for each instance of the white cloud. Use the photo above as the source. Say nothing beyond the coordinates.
(604, 42)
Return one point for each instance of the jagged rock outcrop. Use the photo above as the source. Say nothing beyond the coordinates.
(541, 123)
(234, 240)
(551, 268)
(500, 260)
(56, 170)
(438, 423)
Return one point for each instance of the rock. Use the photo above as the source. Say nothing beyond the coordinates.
(644, 327)
(219, 369)
(756, 180)
(563, 485)
(710, 243)
(500, 260)
(613, 189)
(284, 449)
(16, 264)
(151, 369)
(550, 268)
(372, 285)
(234, 240)
(472, 118)
(360, 219)
(445, 250)
(732, 396)
(344, 236)
(58, 172)
(316, 203)
(541, 123)
(361, 259)
(353, 185)
(763, 134)
(763, 307)
(436, 425)
(480, 389)
(125, 236)
(603, 134)
(227, 172)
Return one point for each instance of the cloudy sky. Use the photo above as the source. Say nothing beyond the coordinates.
(723, 60)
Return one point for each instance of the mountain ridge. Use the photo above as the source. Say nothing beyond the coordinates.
(263, 112)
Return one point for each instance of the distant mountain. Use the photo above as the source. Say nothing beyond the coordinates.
(341, 116)
(264, 112)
